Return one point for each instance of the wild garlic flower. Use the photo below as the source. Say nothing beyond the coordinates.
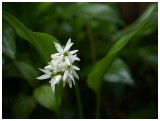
(61, 66)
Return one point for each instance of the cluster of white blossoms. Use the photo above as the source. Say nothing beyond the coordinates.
(61, 66)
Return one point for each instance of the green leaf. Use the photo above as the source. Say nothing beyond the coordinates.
(41, 41)
(148, 56)
(94, 10)
(8, 41)
(28, 72)
(45, 96)
(118, 72)
(23, 106)
(149, 26)
(95, 77)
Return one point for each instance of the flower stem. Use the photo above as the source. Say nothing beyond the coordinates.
(80, 109)
(91, 41)
(98, 106)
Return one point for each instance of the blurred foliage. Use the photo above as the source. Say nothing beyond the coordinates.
(118, 61)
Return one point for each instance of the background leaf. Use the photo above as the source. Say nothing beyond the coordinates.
(28, 72)
(41, 41)
(23, 106)
(94, 11)
(94, 80)
(45, 96)
(8, 41)
(118, 72)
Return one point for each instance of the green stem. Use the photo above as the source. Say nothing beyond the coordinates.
(91, 41)
(80, 109)
(98, 106)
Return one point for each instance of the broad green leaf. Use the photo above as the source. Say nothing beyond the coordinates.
(41, 41)
(23, 106)
(95, 77)
(8, 41)
(118, 72)
(45, 96)
(28, 72)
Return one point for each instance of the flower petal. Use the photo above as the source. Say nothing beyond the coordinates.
(49, 67)
(64, 83)
(68, 45)
(73, 58)
(52, 80)
(59, 60)
(45, 76)
(76, 58)
(45, 71)
(67, 60)
(53, 87)
(75, 67)
(65, 75)
(71, 77)
(57, 79)
(72, 52)
(58, 47)
(70, 83)
(54, 56)
(75, 74)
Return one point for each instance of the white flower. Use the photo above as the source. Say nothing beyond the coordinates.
(68, 55)
(61, 66)
(69, 75)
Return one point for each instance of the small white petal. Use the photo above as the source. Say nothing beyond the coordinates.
(64, 83)
(72, 52)
(75, 74)
(59, 60)
(49, 67)
(71, 77)
(57, 79)
(70, 83)
(52, 80)
(73, 82)
(53, 87)
(54, 56)
(75, 67)
(67, 60)
(68, 45)
(57, 54)
(68, 42)
(45, 71)
(45, 76)
(58, 47)
(76, 58)
(73, 58)
(65, 75)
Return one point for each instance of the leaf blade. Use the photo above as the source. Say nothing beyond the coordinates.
(40, 41)
(46, 97)
(94, 81)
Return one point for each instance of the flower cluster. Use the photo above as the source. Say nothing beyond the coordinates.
(61, 66)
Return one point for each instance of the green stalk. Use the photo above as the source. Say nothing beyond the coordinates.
(80, 109)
